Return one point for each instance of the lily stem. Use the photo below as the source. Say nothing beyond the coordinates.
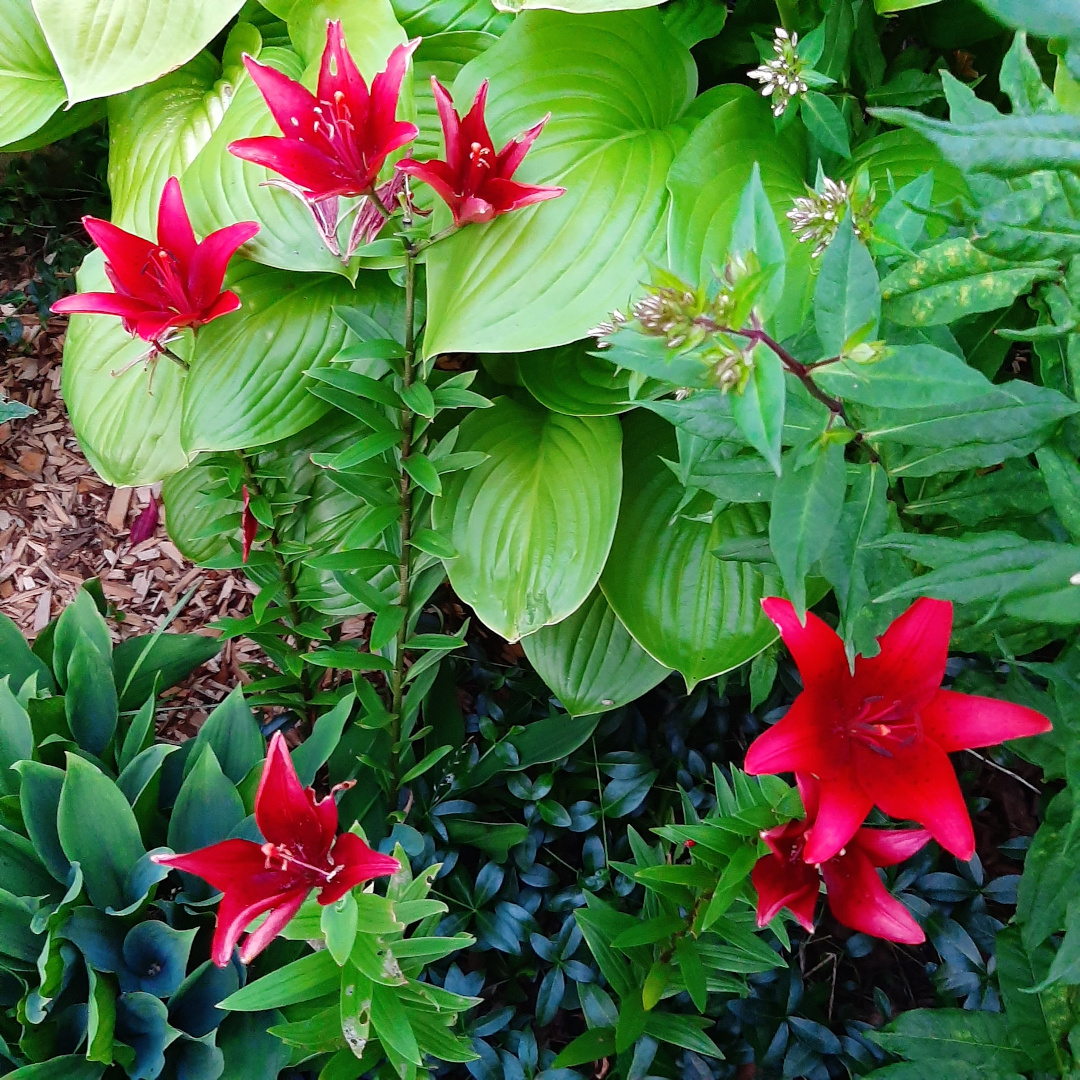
(431, 241)
(397, 678)
(288, 585)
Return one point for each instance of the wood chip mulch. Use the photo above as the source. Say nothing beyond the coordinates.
(60, 525)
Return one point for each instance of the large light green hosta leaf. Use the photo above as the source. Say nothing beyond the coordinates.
(590, 661)
(569, 379)
(579, 7)
(906, 155)
(534, 522)
(155, 132)
(688, 609)
(60, 125)
(128, 428)
(427, 18)
(31, 89)
(220, 188)
(616, 85)
(185, 516)
(105, 47)
(370, 26)
(247, 385)
(707, 179)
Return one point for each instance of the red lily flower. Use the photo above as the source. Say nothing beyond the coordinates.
(163, 286)
(301, 853)
(474, 181)
(881, 735)
(334, 142)
(855, 893)
(248, 526)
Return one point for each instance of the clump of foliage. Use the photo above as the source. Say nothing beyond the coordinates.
(778, 300)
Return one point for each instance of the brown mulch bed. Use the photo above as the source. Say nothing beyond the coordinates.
(61, 525)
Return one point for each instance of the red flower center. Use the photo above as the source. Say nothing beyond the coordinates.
(335, 128)
(290, 860)
(163, 267)
(884, 727)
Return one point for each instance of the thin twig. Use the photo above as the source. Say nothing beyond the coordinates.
(1008, 772)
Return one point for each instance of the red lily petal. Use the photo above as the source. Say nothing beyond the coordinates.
(781, 883)
(239, 906)
(473, 210)
(283, 811)
(100, 303)
(798, 742)
(126, 253)
(174, 226)
(145, 525)
(886, 847)
(451, 124)
(152, 326)
(338, 72)
(385, 91)
(964, 721)
(810, 793)
(507, 195)
(309, 168)
(360, 864)
(209, 261)
(327, 815)
(474, 128)
(285, 907)
(816, 647)
(436, 174)
(919, 784)
(225, 304)
(287, 99)
(513, 153)
(842, 808)
(223, 864)
(858, 899)
(782, 838)
(911, 664)
(392, 138)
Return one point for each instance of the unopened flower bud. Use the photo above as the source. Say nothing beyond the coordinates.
(816, 216)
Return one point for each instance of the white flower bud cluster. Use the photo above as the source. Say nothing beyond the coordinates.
(781, 76)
